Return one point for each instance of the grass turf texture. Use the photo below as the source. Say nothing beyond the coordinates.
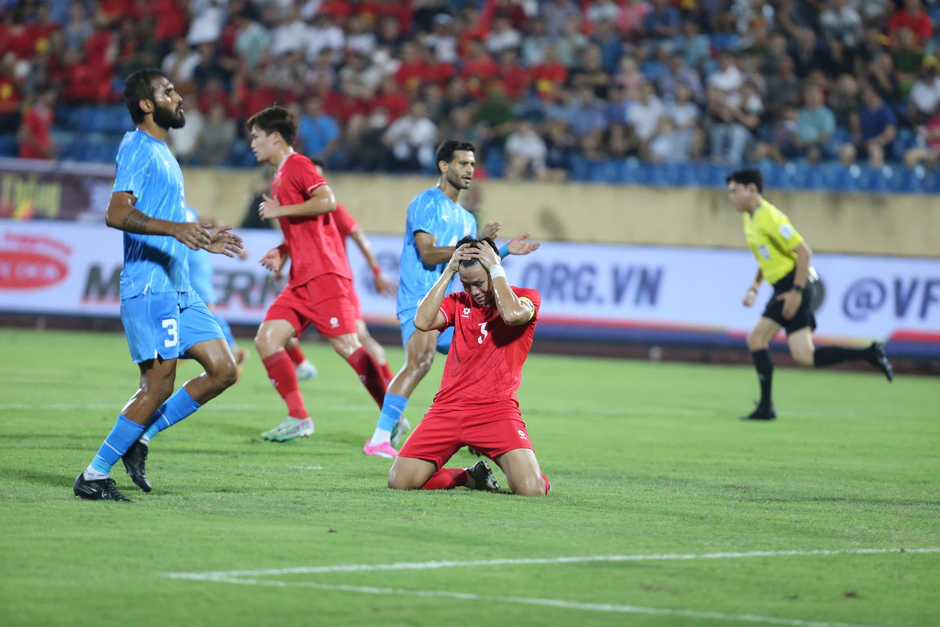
(645, 458)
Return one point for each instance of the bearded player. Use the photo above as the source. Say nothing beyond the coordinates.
(435, 223)
(318, 291)
(163, 317)
(476, 406)
(783, 259)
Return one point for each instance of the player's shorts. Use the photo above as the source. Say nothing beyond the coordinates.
(804, 316)
(406, 320)
(354, 297)
(167, 324)
(323, 302)
(200, 275)
(443, 431)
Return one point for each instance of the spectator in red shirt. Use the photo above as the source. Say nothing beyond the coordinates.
(550, 75)
(392, 99)
(9, 91)
(914, 17)
(413, 70)
(213, 94)
(478, 70)
(41, 30)
(35, 132)
(437, 71)
(514, 79)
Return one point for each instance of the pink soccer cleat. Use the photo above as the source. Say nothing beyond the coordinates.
(380, 450)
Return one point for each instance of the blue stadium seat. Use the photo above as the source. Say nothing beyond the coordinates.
(579, 169)
(9, 146)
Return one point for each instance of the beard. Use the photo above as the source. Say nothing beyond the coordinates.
(454, 179)
(165, 118)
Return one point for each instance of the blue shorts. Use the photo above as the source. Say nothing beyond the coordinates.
(406, 320)
(167, 324)
(200, 275)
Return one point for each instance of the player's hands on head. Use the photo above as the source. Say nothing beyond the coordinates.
(273, 260)
(518, 245)
(223, 242)
(192, 234)
(485, 254)
(384, 285)
(791, 303)
(461, 254)
(490, 229)
(269, 209)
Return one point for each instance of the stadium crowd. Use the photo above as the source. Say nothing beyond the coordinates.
(377, 83)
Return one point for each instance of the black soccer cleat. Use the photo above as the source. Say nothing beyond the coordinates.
(762, 412)
(98, 490)
(134, 461)
(880, 360)
(483, 478)
(473, 451)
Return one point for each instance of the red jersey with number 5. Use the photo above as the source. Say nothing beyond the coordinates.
(313, 242)
(484, 365)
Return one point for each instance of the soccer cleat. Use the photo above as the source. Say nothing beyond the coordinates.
(134, 461)
(305, 370)
(483, 478)
(880, 360)
(762, 412)
(98, 490)
(400, 432)
(240, 358)
(289, 429)
(380, 450)
(473, 451)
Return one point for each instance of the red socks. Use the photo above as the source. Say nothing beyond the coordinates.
(284, 378)
(296, 355)
(370, 373)
(446, 478)
(548, 486)
(387, 373)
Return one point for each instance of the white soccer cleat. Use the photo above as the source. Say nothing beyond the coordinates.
(400, 432)
(289, 429)
(305, 370)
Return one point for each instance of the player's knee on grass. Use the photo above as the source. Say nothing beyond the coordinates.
(527, 484)
(409, 474)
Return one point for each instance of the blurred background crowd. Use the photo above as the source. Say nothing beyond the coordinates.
(541, 87)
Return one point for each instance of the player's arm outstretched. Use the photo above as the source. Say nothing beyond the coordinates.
(321, 201)
(124, 216)
(512, 309)
(383, 284)
(429, 316)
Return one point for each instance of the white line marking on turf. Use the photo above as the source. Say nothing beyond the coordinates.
(306, 467)
(571, 605)
(219, 407)
(352, 568)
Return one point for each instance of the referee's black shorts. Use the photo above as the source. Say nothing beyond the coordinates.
(804, 315)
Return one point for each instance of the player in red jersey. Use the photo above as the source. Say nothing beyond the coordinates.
(318, 291)
(349, 228)
(476, 406)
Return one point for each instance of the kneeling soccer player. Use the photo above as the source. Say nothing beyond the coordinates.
(476, 405)
(783, 259)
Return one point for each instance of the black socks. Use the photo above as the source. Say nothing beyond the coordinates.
(765, 373)
(829, 355)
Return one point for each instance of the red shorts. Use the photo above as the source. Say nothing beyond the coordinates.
(443, 431)
(323, 302)
(354, 297)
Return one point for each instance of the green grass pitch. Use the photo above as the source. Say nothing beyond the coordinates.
(647, 459)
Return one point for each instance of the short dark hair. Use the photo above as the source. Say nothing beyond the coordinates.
(469, 239)
(275, 119)
(139, 86)
(445, 152)
(747, 177)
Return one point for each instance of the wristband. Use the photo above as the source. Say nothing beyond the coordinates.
(504, 250)
(377, 270)
(497, 271)
(799, 288)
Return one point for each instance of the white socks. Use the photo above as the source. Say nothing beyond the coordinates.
(380, 436)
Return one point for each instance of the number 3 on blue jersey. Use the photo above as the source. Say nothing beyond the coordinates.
(170, 325)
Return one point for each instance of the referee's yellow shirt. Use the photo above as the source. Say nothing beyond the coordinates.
(772, 238)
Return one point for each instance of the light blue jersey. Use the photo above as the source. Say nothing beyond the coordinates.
(152, 263)
(434, 213)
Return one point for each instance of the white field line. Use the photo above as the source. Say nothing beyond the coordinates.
(571, 605)
(216, 407)
(355, 568)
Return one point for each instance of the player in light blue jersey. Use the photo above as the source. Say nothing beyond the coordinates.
(164, 319)
(435, 223)
(200, 277)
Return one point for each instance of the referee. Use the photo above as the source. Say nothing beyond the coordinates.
(783, 259)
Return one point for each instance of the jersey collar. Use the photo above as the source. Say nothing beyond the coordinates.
(284, 160)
